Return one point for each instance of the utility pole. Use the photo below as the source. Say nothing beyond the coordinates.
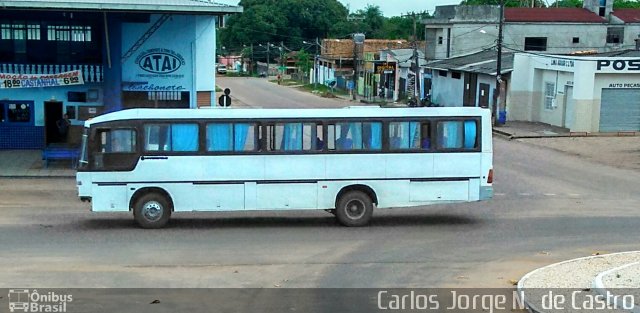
(315, 66)
(358, 39)
(251, 69)
(415, 65)
(499, 82)
(268, 44)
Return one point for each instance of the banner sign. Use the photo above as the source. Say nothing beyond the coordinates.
(385, 68)
(11, 81)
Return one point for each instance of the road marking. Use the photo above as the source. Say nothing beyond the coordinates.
(574, 195)
(525, 194)
(500, 194)
(549, 194)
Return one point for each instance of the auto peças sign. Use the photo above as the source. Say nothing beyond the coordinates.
(160, 61)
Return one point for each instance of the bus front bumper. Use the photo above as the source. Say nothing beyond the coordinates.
(486, 192)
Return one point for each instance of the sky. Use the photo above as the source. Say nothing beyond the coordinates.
(388, 7)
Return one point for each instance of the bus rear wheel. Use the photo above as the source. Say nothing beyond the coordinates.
(152, 210)
(354, 208)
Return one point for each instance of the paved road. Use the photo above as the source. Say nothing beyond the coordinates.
(549, 207)
(259, 92)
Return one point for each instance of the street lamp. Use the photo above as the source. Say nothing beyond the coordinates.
(315, 62)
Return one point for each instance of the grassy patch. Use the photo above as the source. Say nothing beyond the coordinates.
(218, 89)
(323, 89)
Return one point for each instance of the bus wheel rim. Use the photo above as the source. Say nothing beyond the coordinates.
(152, 211)
(355, 209)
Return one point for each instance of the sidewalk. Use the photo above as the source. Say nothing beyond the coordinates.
(523, 130)
(29, 163)
(610, 277)
(516, 129)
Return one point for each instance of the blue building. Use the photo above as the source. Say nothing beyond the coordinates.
(83, 58)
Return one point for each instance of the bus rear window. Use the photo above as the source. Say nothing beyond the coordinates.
(456, 135)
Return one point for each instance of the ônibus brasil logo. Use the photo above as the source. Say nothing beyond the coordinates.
(23, 300)
(160, 61)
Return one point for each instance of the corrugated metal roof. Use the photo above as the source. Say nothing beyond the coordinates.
(629, 53)
(193, 6)
(484, 62)
(562, 15)
(627, 15)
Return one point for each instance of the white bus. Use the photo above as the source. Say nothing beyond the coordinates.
(157, 162)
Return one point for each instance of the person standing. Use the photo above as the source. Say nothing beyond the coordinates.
(63, 127)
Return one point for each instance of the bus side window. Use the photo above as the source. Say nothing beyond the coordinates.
(372, 136)
(331, 137)
(457, 134)
(219, 137)
(312, 138)
(425, 131)
(244, 137)
(404, 135)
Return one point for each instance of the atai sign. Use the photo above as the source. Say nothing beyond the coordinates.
(160, 61)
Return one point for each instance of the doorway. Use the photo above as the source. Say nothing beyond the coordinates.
(470, 85)
(484, 95)
(52, 114)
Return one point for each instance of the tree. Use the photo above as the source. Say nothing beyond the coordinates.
(304, 62)
(567, 4)
(626, 4)
(287, 21)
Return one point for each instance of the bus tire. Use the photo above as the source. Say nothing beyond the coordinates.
(152, 210)
(355, 208)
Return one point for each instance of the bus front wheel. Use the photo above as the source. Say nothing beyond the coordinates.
(152, 210)
(355, 208)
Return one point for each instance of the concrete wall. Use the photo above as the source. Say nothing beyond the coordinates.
(470, 37)
(447, 91)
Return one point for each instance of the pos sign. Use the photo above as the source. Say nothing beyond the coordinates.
(224, 100)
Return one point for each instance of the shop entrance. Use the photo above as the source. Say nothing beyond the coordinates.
(52, 114)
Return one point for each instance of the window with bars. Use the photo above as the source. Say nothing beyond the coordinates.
(549, 95)
(19, 31)
(615, 34)
(69, 33)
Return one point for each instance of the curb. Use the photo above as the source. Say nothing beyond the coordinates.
(521, 290)
(502, 133)
(599, 286)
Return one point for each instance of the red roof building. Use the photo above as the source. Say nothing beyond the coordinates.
(627, 15)
(549, 15)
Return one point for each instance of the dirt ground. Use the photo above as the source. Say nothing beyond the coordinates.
(621, 152)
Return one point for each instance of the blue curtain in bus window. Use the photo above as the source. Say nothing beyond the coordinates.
(343, 142)
(414, 135)
(292, 137)
(241, 132)
(404, 135)
(470, 130)
(184, 137)
(219, 137)
(356, 135)
(451, 135)
(375, 138)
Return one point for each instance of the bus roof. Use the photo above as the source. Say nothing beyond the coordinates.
(229, 113)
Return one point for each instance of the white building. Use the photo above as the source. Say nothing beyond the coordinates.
(460, 30)
(468, 80)
(599, 93)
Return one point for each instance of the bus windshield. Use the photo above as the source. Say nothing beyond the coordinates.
(83, 149)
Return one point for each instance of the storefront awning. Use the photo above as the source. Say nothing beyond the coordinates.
(185, 6)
